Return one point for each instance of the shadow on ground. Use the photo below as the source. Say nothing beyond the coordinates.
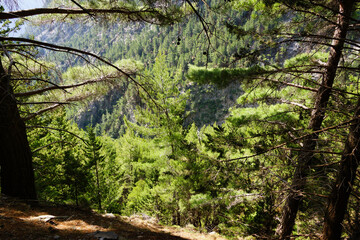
(19, 220)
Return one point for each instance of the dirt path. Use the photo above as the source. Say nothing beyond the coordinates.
(19, 220)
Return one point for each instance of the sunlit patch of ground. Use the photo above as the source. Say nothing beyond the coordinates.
(185, 233)
(66, 224)
(19, 220)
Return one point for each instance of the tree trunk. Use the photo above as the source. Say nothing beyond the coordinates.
(17, 174)
(98, 183)
(305, 158)
(339, 197)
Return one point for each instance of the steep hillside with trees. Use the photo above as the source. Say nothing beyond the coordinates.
(183, 44)
(280, 163)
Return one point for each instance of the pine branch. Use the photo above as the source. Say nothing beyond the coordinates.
(49, 144)
(340, 125)
(52, 107)
(55, 87)
(58, 129)
(77, 51)
(41, 103)
(145, 14)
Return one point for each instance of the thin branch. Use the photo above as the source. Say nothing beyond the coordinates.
(42, 90)
(313, 151)
(294, 103)
(74, 50)
(343, 124)
(292, 73)
(45, 146)
(205, 28)
(52, 107)
(316, 36)
(41, 80)
(130, 13)
(312, 13)
(58, 129)
(335, 11)
(85, 10)
(288, 84)
(40, 103)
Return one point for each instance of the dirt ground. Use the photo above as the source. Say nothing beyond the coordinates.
(19, 220)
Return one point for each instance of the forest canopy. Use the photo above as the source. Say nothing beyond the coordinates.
(240, 117)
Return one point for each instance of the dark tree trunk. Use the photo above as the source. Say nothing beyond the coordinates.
(17, 175)
(305, 158)
(339, 197)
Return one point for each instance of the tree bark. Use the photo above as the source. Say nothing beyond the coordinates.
(17, 175)
(339, 197)
(306, 157)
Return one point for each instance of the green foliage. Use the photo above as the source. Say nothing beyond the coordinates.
(140, 198)
(95, 159)
(227, 176)
(222, 77)
(143, 42)
(304, 59)
(60, 171)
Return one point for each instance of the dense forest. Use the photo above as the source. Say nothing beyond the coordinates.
(236, 117)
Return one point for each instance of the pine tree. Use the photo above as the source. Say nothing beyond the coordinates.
(303, 27)
(17, 177)
(95, 158)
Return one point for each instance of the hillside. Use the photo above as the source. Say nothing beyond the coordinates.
(182, 43)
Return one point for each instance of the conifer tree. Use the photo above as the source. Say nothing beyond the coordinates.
(16, 163)
(339, 14)
(92, 153)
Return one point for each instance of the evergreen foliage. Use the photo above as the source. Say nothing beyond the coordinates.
(266, 144)
(95, 160)
(181, 43)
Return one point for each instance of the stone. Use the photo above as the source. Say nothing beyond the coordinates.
(106, 235)
(46, 218)
(109, 215)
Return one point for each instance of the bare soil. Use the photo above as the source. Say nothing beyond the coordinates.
(20, 220)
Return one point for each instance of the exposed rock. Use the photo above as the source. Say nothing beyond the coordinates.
(47, 218)
(109, 215)
(105, 235)
(44, 218)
